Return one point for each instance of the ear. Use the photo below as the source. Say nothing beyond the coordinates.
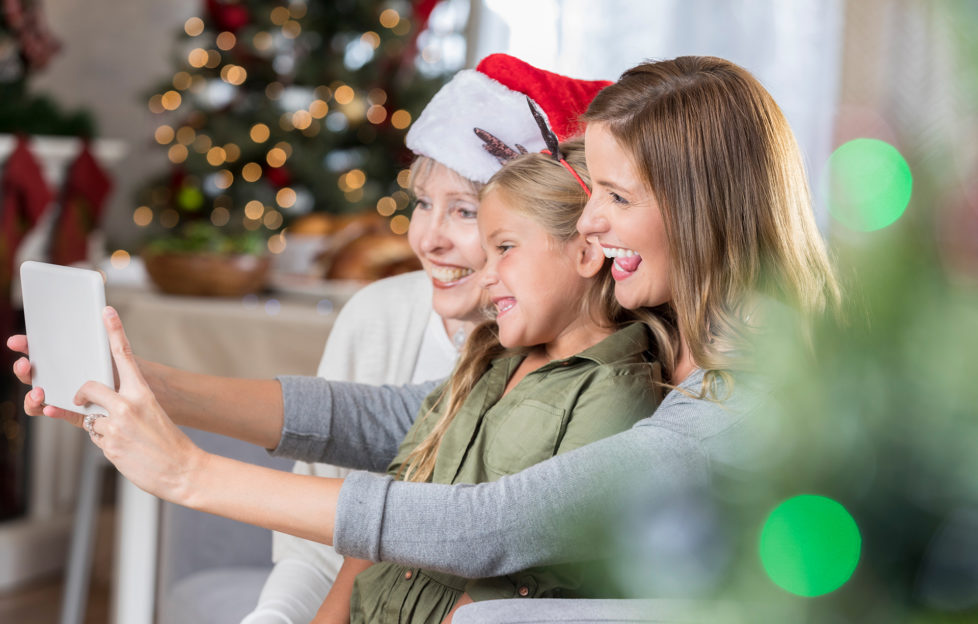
(590, 258)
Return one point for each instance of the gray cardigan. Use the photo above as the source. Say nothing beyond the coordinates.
(527, 519)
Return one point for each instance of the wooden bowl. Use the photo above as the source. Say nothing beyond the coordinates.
(207, 274)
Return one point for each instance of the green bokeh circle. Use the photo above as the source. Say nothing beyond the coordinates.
(810, 545)
(869, 184)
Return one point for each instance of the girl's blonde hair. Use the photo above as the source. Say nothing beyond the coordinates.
(717, 153)
(537, 186)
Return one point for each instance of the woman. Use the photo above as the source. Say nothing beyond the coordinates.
(697, 175)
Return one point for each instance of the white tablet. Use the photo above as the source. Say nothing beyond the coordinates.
(66, 338)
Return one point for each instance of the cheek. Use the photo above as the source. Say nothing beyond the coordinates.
(467, 241)
(416, 232)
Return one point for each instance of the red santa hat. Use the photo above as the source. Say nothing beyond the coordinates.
(493, 97)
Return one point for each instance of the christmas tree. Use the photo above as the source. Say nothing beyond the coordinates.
(277, 109)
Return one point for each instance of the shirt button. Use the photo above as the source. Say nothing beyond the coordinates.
(408, 575)
(523, 591)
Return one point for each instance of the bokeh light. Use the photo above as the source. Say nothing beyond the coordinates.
(399, 224)
(260, 133)
(276, 157)
(142, 216)
(386, 206)
(401, 119)
(344, 94)
(220, 216)
(254, 209)
(251, 172)
(285, 197)
(810, 545)
(226, 40)
(403, 177)
(197, 57)
(164, 135)
(193, 26)
(869, 184)
(389, 18)
(171, 100)
(119, 259)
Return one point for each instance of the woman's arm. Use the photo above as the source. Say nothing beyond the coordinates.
(336, 607)
(247, 409)
(551, 510)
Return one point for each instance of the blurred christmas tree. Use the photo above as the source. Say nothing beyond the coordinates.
(278, 109)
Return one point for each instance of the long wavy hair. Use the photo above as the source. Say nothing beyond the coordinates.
(718, 155)
(537, 186)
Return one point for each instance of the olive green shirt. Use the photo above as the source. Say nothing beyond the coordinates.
(559, 407)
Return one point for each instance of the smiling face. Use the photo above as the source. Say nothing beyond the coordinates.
(445, 236)
(533, 281)
(624, 218)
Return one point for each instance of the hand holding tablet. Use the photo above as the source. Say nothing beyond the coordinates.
(65, 333)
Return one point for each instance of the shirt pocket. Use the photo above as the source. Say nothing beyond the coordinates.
(524, 435)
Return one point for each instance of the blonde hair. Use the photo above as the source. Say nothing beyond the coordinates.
(537, 186)
(423, 166)
(717, 153)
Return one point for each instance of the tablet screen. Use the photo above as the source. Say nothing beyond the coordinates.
(66, 338)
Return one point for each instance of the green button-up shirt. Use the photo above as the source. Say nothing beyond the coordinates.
(560, 406)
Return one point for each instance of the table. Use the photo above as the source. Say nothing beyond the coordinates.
(253, 337)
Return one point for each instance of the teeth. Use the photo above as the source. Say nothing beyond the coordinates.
(449, 274)
(618, 252)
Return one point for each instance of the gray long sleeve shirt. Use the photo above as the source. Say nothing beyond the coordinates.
(523, 520)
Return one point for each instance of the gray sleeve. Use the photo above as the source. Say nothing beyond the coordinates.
(530, 518)
(545, 514)
(345, 423)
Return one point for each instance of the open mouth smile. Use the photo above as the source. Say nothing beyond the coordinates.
(503, 305)
(448, 276)
(625, 263)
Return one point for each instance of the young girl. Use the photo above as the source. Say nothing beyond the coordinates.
(559, 367)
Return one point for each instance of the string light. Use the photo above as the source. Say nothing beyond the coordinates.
(119, 259)
(259, 133)
(273, 219)
(301, 119)
(182, 80)
(251, 172)
(275, 157)
(193, 26)
(371, 38)
(226, 40)
(399, 224)
(285, 197)
(213, 59)
(386, 206)
(171, 100)
(263, 41)
(276, 244)
(318, 109)
(376, 114)
(291, 29)
(343, 95)
(216, 156)
(202, 144)
(254, 209)
(224, 179)
(163, 135)
(156, 104)
(389, 18)
(186, 135)
(279, 15)
(177, 153)
(401, 119)
(169, 218)
(220, 216)
(403, 177)
(197, 57)
(232, 152)
(355, 178)
(142, 216)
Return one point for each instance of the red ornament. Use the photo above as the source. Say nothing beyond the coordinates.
(229, 16)
(278, 176)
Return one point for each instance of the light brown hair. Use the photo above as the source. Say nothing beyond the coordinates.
(719, 157)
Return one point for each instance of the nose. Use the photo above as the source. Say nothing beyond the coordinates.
(434, 237)
(489, 277)
(593, 220)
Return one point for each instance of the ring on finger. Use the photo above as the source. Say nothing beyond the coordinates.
(89, 424)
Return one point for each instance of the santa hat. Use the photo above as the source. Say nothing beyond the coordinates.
(492, 97)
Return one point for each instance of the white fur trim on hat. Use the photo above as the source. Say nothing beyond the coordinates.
(444, 131)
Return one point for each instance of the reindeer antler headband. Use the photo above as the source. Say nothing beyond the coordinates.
(503, 153)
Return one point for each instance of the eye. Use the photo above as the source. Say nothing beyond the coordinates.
(616, 198)
(466, 211)
(422, 203)
(502, 248)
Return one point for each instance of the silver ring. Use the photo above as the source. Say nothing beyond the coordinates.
(89, 424)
